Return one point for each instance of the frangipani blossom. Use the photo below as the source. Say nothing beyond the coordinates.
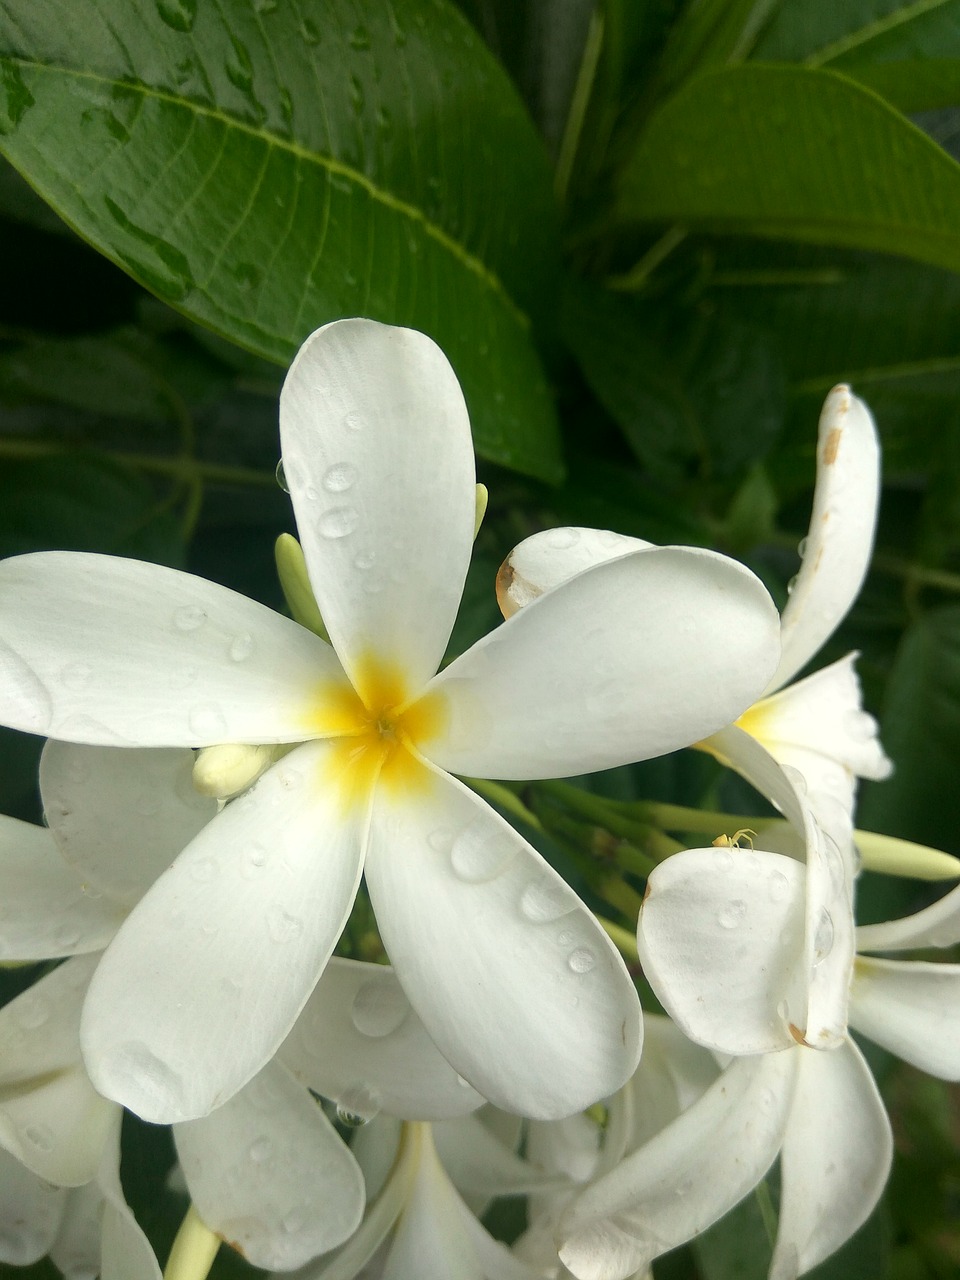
(817, 725)
(498, 956)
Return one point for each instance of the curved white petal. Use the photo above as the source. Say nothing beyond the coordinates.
(721, 942)
(76, 1250)
(378, 456)
(840, 538)
(830, 868)
(673, 1073)
(913, 1009)
(122, 653)
(126, 1251)
(46, 909)
(686, 1177)
(500, 958)
(836, 1155)
(31, 1212)
(627, 660)
(478, 1164)
(51, 1117)
(269, 1173)
(546, 559)
(822, 715)
(935, 926)
(359, 1042)
(120, 817)
(226, 947)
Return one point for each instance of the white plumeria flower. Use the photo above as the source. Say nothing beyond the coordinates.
(417, 1224)
(86, 1231)
(820, 1112)
(817, 725)
(501, 960)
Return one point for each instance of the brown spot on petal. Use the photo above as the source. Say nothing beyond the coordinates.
(831, 446)
(797, 1034)
(505, 576)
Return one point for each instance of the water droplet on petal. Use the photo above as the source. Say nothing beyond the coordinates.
(282, 926)
(296, 1219)
(792, 584)
(340, 478)
(206, 722)
(241, 647)
(358, 1105)
(282, 477)
(338, 522)
(562, 539)
(40, 1136)
(189, 618)
(260, 1150)
(582, 960)
(723, 859)
(796, 778)
(802, 547)
(30, 1011)
(290, 779)
(353, 421)
(545, 900)
(480, 852)
(778, 886)
(364, 560)
(732, 914)
(379, 1007)
(823, 936)
(178, 14)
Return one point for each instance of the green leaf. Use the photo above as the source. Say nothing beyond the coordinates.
(737, 1247)
(796, 154)
(711, 33)
(267, 172)
(920, 729)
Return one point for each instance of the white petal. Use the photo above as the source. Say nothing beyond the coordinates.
(76, 1251)
(935, 926)
(500, 958)
(127, 1253)
(627, 660)
(269, 1173)
(673, 1073)
(209, 972)
(46, 910)
(830, 868)
(51, 1117)
(118, 652)
(836, 1156)
(721, 943)
(378, 456)
(31, 1211)
(359, 1042)
(120, 817)
(821, 714)
(912, 1008)
(840, 537)
(478, 1164)
(685, 1178)
(546, 559)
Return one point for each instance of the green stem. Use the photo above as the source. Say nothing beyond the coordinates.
(501, 795)
(186, 469)
(194, 1250)
(638, 276)
(623, 939)
(570, 142)
(767, 1212)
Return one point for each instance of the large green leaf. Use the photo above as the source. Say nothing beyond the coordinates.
(268, 167)
(907, 50)
(798, 154)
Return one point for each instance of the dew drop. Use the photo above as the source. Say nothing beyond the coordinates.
(783, 1011)
(582, 960)
(732, 914)
(802, 547)
(296, 1219)
(266, 6)
(796, 778)
(206, 722)
(40, 1136)
(189, 618)
(441, 840)
(239, 68)
(282, 926)
(480, 853)
(562, 539)
(353, 421)
(792, 584)
(358, 1105)
(544, 900)
(823, 937)
(364, 560)
(76, 676)
(290, 779)
(360, 38)
(241, 646)
(204, 871)
(286, 105)
(260, 1150)
(253, 860)
(30, 1011)
(778, 886)
(723, 859)
(340, 478)
(379, 1007)
(247, 276)
(309, 31)
(338, 522)
(356, 94)
(178, 14)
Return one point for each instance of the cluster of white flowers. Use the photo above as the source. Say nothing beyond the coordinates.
(218, 778)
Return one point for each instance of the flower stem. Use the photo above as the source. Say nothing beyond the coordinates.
(624, 940)
(194, 1250)
(501, 795)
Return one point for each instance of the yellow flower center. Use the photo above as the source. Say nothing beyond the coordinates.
(379, 731)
